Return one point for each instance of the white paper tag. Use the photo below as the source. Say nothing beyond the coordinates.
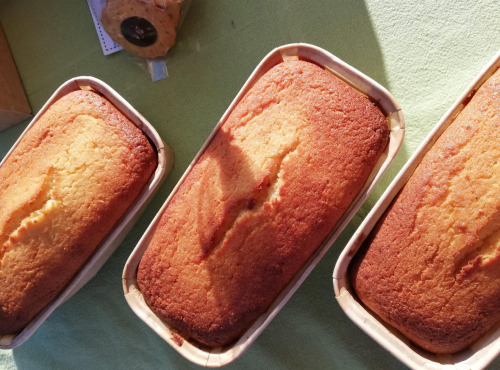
(107, 44)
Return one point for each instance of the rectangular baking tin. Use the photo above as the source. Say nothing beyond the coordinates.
(119, 231)
(222, 356)
(482, 352)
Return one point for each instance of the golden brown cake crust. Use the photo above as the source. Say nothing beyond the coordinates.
(276, 178)
(62, 189)
(432, 268)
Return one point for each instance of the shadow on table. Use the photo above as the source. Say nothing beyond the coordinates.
(234, 34)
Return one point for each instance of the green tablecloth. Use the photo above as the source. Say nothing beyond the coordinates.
(426, 53)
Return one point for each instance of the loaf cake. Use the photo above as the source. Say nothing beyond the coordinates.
(276, 178)
(431, 267)
(62, 189)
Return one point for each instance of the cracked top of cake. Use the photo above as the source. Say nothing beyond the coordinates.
(62, 189)
(279, 174)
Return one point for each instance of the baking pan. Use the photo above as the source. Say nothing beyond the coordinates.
(221, 356)
(482, 352)
(119, 231)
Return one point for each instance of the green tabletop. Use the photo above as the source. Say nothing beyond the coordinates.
(425, 52)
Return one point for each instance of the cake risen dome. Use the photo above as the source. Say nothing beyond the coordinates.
(431, 268)
(62, 189)
(277, 177)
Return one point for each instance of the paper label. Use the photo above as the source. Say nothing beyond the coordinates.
(107, 44)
